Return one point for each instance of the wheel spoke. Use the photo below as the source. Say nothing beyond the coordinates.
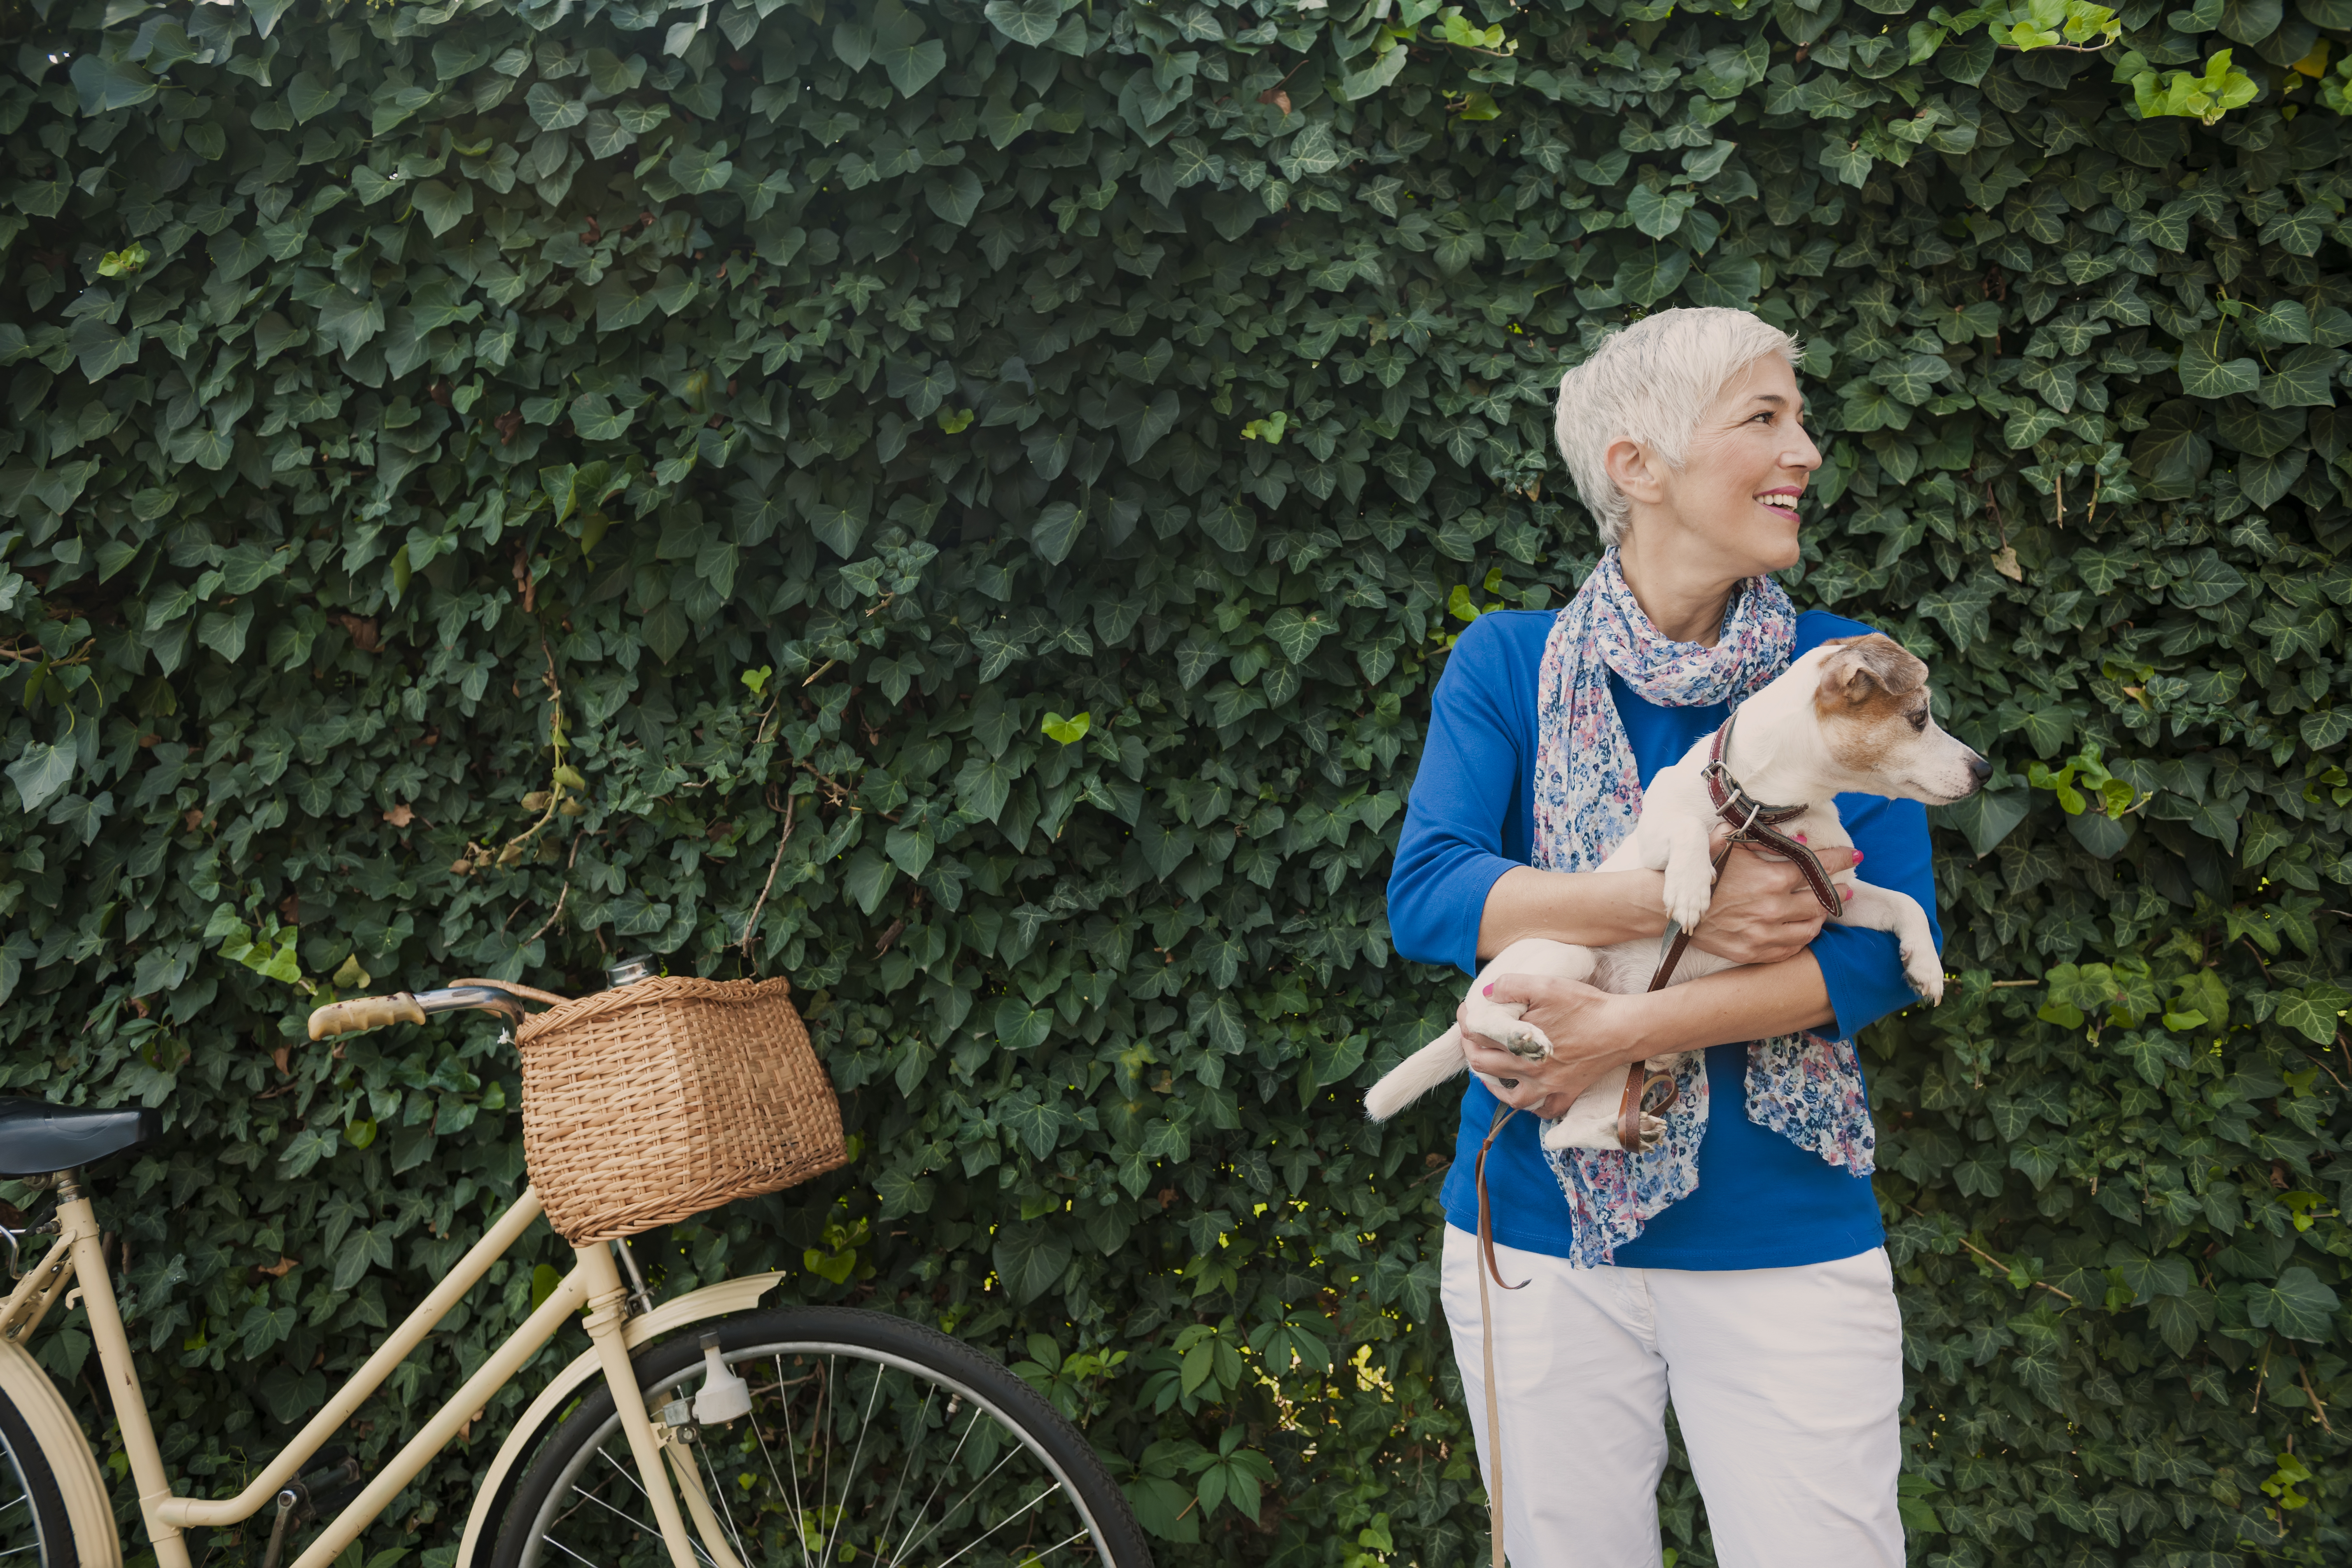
(1008, 1519)
(568, 1552)
(637, 1525)
(1032, 1502)
(848, 1475)
(734, 1535)
(819, 1458)
(907, 1460)
(948, 1471)
(762, 1438)
(800, 1512)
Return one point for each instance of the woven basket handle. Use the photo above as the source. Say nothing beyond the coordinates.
(509, 986)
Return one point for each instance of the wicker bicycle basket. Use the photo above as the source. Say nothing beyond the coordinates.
(649, 1103)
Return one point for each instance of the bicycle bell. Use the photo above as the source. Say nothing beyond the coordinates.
(628, 971)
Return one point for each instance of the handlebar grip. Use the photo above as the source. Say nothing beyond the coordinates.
(365, 1013)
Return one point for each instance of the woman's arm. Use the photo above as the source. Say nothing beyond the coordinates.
(1592, 908)
(1762, 911)
(1450, 853)
(1593, 1030)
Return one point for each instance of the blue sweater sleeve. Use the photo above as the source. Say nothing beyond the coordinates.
(1863, 969)
(1475, 762)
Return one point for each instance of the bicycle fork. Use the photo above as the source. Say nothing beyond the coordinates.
(607, 1297)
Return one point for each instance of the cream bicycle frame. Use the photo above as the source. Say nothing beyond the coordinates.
(594, 1282)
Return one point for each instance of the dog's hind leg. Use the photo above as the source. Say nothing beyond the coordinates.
(1415, 1076)
(1503, 1022)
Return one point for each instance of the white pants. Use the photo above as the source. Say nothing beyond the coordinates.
(1785, 1383)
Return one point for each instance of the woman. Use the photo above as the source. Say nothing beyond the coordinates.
(1750, 1282)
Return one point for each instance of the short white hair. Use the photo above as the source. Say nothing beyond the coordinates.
(1651, 383)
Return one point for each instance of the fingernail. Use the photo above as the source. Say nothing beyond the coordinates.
(1488, 992)
(1848, 892)
(1801, 838)
(1857, 856)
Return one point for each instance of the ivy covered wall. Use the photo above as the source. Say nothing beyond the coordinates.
(492, 487)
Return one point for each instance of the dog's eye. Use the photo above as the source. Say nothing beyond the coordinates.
(1919, 719)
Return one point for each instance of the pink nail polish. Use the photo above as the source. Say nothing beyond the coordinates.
(1857, 856)
(1801, 838)
(1848, 892)
(1488, 992)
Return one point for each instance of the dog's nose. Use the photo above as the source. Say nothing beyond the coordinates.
(1978, 769)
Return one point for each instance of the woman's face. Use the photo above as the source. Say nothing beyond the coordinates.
(1735, 497)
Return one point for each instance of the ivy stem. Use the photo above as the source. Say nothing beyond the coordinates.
(1996, 1262)
(15, 653)
(562, 893)
(2318, 1407)
(791, 804)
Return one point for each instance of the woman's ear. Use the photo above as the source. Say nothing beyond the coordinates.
(1631, 469)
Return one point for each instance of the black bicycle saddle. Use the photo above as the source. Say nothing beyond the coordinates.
(37, 1138)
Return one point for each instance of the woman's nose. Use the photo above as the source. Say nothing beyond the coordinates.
(1803, 454)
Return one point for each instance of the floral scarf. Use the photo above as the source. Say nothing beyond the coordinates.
(1588, 797)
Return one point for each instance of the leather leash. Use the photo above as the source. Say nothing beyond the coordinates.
(1752, 822)
(1503, 1113)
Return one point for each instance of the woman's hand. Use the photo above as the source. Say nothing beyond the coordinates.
(1590, 1031)
(1763, 911)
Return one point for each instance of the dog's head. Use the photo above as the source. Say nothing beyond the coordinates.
(1874, 706)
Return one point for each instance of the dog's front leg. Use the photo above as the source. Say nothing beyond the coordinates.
(1681, 851)
(1898, 913)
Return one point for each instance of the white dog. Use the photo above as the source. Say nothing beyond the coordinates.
(1850, 716)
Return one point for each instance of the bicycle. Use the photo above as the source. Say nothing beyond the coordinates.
(702, 1431)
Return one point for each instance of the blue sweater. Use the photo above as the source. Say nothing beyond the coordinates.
(1762, 1202)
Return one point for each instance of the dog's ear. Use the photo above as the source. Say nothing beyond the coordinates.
(1867, 668)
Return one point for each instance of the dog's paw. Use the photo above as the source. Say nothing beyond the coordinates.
(1924, 968)
(1686, 907)
(1524, 1040)
(1484, 1015)
(1690, 887)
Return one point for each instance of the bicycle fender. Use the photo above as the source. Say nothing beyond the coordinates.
(729, 1296)
(62, 1444)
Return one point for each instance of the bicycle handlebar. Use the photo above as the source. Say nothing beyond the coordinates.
(363, 1013)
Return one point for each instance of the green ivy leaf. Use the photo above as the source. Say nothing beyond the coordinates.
(2202, 375)
(2298, 1305)
(1031, 22)
(1030, 1259)
(105, 85)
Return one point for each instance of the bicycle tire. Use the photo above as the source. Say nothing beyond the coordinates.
(898, 1354)
(26, 1477)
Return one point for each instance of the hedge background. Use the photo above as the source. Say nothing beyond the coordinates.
(819, 416)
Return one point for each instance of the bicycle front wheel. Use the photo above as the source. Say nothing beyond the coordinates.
(870, 1440)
